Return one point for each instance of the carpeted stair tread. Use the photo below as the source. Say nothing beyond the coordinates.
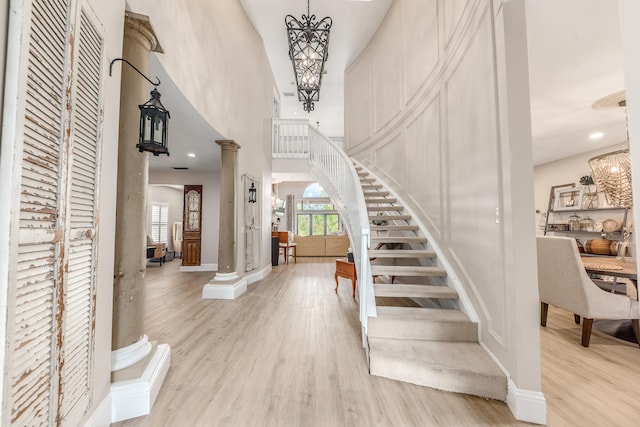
(378, 200)
(413, 291)
(385, 208)
(407, 227)
(421, 313)
(389, 217)
(398, 239)
(461, 367)
(367, 187)
(376, 194)
(407, 270)
(401, 253)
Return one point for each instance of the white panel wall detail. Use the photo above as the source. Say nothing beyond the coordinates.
(473, 170)
(424, 162)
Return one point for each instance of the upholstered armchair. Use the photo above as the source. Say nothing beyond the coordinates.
(156, 251)
(564, 283)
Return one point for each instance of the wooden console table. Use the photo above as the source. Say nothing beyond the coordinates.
(347, 270)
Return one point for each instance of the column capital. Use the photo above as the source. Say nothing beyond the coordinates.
(228, 144)
(139, 27)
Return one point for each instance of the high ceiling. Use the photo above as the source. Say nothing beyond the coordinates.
(575, 58)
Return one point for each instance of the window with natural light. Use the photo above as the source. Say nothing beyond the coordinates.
(159, 222)
(316, 214)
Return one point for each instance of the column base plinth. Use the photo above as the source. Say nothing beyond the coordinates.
(133, 395)
(225, 286)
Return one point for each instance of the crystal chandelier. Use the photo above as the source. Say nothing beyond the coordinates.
(308, 51)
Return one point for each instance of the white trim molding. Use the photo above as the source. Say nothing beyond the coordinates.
(101, 417)
(134, 398)
(130, 355)
(258, 275)
(201, 267)
(527, 405)
(226, 277)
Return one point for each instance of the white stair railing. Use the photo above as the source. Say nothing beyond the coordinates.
(336, 173)
(290, 139)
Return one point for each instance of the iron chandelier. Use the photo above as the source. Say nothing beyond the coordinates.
(308, 51)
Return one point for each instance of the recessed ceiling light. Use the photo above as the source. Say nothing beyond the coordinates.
(191, 155)
(596, 135)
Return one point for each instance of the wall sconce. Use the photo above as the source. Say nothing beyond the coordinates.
(252, 193)
(154, 119)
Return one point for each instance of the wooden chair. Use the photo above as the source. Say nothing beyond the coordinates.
(564, 283)
(285, 245)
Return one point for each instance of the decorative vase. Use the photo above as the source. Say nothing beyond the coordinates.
(591, 200)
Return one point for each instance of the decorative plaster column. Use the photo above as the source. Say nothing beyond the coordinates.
(138, 366)
(227, 284)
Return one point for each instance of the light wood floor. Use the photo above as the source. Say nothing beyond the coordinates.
(288, 353)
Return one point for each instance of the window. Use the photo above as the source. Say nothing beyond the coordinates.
(159, 222)
(316, 213)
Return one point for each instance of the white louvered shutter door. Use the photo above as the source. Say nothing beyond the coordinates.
(39, 241)
(51, 271)
(79, 311)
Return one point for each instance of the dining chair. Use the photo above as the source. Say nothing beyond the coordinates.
(284, 244)
(564, 283)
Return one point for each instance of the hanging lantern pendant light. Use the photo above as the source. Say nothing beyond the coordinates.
(154, 119)
(308, 51)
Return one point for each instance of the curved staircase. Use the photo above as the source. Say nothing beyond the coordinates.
(420, 335)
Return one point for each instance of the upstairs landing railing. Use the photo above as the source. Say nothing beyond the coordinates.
(294, 138)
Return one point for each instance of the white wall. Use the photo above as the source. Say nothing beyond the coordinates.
(216, 58)
(171, 197)
(438, 105)
(210, 205)
(112, 16)
(4, 21)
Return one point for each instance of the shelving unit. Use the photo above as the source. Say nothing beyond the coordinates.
(549, 227)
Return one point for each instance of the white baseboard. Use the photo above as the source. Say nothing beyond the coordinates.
(224, 290)
(134, 398)
(527, 405)
(254, 276)
(101, 417)
(201, 267)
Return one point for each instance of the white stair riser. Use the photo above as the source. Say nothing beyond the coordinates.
(492, 387)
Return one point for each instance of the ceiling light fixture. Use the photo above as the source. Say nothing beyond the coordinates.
(191, 155)
(596, 135)
(308, 51)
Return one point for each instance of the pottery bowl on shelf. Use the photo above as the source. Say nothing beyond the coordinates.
(611, 225)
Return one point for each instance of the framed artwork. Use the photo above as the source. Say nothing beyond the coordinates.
(567, 199)
(552, 194)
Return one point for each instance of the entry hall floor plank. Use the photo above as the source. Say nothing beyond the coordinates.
(286, 353)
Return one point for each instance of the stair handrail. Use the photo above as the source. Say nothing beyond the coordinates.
(339, 178)
(336, 173)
